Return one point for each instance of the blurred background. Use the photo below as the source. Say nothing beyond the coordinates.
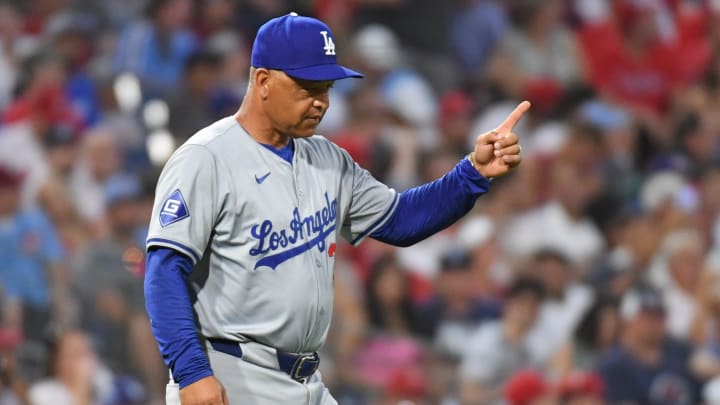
(589, 276)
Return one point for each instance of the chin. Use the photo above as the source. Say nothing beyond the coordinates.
(304, 131)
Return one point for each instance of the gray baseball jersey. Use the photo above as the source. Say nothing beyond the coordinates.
(262, 231)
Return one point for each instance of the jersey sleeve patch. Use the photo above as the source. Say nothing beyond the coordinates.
(173, 209)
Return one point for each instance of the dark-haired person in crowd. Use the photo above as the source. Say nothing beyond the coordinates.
(567, 301)
(499, 349)
(454, 313)
(190, 105)
(389, 303)
(77, 376)
(390, 351)
(597, 332)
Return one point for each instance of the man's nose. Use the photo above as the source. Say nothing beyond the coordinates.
(322, 101)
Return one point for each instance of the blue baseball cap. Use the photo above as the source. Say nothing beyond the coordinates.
(302, 47)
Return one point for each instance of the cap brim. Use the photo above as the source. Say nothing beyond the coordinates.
(323, 72)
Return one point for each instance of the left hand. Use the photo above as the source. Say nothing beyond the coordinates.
(498, 151)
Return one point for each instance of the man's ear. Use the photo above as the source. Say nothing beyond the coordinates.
(262, 81)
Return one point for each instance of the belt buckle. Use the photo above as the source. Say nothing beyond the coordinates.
(300, 363)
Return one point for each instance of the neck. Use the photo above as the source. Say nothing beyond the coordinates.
(257, 126)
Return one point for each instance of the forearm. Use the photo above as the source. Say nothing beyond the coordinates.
(171, 316)
(425, 210)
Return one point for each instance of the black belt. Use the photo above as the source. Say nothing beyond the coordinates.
(298, 366)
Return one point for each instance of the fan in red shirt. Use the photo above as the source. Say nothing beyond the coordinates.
(629, 62)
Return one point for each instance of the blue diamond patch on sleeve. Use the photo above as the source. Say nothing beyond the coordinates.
(173, 209)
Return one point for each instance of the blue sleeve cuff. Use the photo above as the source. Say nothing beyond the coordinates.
(475, 182)
(195, 377)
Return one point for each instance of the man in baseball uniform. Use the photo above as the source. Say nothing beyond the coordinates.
(239, 283)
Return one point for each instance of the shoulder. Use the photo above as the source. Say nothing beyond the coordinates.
(221, 138)
(214, 149)
(217, 131)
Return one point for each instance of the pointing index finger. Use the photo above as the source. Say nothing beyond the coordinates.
(514, 117)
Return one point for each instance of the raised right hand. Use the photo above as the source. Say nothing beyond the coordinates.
(206, 391)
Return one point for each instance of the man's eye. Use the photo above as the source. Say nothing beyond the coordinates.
(316, 90)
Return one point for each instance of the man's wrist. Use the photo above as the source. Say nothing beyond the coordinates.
(471, 159)
(194, 377)
(474, 164)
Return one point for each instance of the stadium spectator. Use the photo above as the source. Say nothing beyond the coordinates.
(485, 21)
(109, 283)
(596, 333)
(647, 366)
(565, 226)
(70, 34)
(98, 162)
(454, 313)
(455, 121)
(156, 49)
(191, 104)
(32, 270)
(76, 376)
(566, 302)
(499, 349)
(389, 303)
(684, 252)
(490, 272)
(72, 367)
(41, 104)
(537, 59)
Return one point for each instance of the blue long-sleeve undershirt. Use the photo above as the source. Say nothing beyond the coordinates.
(168, 304)
(421, 212)
(425, 210)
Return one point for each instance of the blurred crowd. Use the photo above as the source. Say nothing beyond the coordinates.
(589, 276)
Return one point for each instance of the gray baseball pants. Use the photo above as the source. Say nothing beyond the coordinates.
(256, 380)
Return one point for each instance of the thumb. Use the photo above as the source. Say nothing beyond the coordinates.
(488, 138)
(483, 153)
(225, 399)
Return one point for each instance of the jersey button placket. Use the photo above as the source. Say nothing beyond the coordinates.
(306, 206)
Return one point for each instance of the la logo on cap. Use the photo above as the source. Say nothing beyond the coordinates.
(292, 44)
(329, 47)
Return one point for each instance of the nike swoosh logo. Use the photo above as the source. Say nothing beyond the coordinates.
(259, 180)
